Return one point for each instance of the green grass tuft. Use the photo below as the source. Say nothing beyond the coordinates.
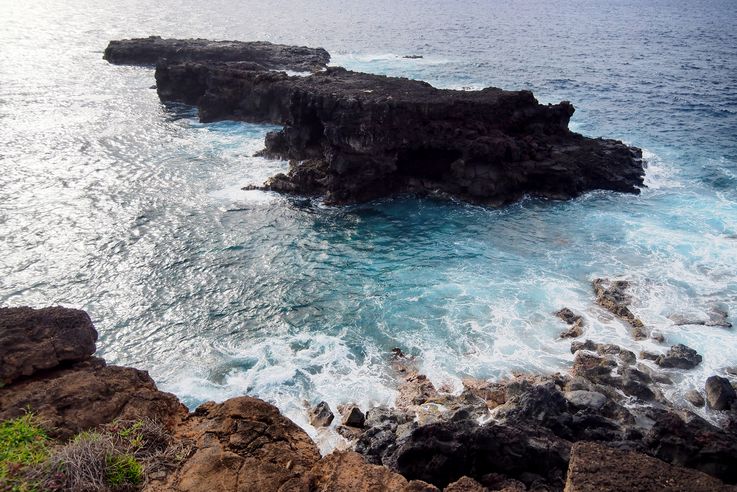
(123, 469)
(22, 443)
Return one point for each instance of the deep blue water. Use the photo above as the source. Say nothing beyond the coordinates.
(117, 204)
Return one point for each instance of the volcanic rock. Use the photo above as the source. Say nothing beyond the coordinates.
(595, 467)
(695, 398)
(680, 357)
(466, 484)
(321, 415)
(352, 416)
(355, 136)
(720, 395)
(611, 295)
(35, 339)
(261, 54)
(242, 444)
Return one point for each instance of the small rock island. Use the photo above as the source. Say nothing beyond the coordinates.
(352, 137)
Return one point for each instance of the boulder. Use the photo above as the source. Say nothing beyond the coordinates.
(352, 416)
(465, 484)
(32, 340)
(242, 444)
(595, 467)
(720, 395)
(575, 323)
(354, 137)
(695, 398)
(679, 357)
(87, 395)
(261, 54)
(321, 415)
(586, 399)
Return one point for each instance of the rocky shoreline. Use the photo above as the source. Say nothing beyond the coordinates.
(604, 426)
(353, 137)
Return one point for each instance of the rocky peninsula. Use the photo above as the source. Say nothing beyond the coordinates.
(603, 427)
(353, 137)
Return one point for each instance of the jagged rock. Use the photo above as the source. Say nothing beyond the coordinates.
(352, 416)
(242, 444)
(347, 471)
(611, 295)
(680, 357)
(574, 321)
(414, 390)
(720, 395)
(465, 484)
(595, 467)
(594, 368)
(695, 398)
(262, 54)
(87, 395)
(355, 136)
(443, 452)
(321, 415)
(587, 399)
(636, 383)
(691, 442)
(625, 356)
(656, 376)
(493, 393)
(32, 340)
(648, 355)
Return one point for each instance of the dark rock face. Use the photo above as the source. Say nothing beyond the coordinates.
(443, 452)
(263, 55)
(720, 394)
(354, 136)
(35, 339)
(603, 469)
(679, 357)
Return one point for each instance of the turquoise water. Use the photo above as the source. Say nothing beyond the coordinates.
(132, 210)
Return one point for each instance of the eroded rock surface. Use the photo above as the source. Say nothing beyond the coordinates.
(355, 136)
(35, 339)
(599, 468)
(261, 54)
(612, 296)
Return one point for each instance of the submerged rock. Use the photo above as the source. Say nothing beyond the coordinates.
(261, 54)
(720, 395)
(679, 357)
(611, 295)
(355, 136)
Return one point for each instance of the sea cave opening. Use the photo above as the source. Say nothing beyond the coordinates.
(426, 162)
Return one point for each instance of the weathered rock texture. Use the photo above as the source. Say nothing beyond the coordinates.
(261, 54)
(354, 136)
(36, 339)
(599, 468)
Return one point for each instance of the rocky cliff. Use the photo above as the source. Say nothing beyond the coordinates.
(546, 433)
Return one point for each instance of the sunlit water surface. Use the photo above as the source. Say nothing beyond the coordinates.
(132, 210)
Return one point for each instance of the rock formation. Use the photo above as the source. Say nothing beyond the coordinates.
(261, 54)
(353, 136)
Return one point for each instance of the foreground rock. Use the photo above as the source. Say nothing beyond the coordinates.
(355, 136)
(35, 339)
(595, 467)
(720, 395)
(261, 54)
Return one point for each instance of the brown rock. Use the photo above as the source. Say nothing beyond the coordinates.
(594, 368)
(695, 398)
(679, 356)
(35, 339)
(574, 321)
(347, 471)
(321, 415)
(89, 394)
(414, 390)
(465, 484)
(352, 416)
(595, 467)
(611, 295)
(242, 444)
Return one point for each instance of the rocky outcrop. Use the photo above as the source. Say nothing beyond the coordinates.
(612, 296)
(260, 54)
(63, 385)
(720, 395)
(355, 136)
(35, 339)
(680, 357)
(595, 467)
(574, 322)
(242, 444)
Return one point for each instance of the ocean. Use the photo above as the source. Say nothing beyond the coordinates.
(113, 202)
